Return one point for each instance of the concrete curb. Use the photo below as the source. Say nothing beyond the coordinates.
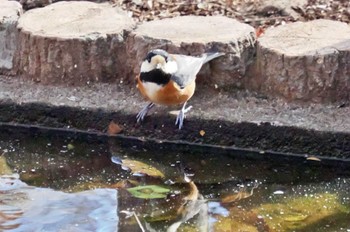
(264, 138)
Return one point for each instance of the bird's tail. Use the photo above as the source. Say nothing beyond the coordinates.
(212, 55)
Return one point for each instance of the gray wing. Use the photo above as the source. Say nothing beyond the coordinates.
(187, 69)
(189, 66)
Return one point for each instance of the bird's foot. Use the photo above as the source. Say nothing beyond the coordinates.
(181, 116)
(142, 114)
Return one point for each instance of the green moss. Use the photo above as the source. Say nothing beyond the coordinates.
(294, 214)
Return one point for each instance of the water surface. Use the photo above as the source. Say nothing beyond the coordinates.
(57, 183)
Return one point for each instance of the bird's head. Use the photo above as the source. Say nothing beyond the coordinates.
(159, 59)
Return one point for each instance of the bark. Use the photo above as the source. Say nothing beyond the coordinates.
(79, 42)
(304, 61)
(9, 14)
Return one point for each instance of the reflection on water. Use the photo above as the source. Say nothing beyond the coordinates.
(26, 208)
(64, 184)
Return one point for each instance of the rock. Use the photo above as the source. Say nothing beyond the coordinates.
(304, 61)
(267, 7)
(9, 14)
(193, 35)
(30, 4)
(78, 42)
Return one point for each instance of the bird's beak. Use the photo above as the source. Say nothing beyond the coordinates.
(158, 66)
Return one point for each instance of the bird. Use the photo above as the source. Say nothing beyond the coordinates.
(170, 79)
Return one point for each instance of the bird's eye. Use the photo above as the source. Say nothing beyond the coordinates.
(149, 57)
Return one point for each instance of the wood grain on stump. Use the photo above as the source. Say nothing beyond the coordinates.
(194, 35)
(304, 61)
(72, 43)
(9, 14)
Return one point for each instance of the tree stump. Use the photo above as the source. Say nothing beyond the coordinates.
(307, 61)
(9, 14)
(73, 43)
(194, 35)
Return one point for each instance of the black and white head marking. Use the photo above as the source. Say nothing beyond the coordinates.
(159, 59)
(157, 52)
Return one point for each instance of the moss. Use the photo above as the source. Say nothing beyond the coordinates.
(295, 214)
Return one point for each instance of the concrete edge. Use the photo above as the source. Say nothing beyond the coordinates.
(261, 138)
(241, 154)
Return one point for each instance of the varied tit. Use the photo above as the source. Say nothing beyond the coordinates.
(169, 79)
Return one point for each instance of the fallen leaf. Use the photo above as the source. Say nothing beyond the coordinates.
(140, 167)
(4, 167)
(114, 128)
(149, 191)
(295, 217)
(123, 184)
(259, 31)
(313, 158)
(241, 194)
(70, 146)
(235, 197)
(137, 167)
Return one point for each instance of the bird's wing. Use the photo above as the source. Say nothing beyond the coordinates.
(187, 69)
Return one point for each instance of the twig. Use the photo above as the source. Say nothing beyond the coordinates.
(138, 221)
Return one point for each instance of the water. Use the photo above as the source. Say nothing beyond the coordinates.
(57, 183)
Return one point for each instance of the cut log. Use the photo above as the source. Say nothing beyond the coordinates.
(194, 35)
(9, 14)
(79, 42)
(304, 61)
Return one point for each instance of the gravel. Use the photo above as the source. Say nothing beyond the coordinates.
(257, 13)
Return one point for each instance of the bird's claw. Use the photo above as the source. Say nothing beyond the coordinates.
(142, 114)
(181, 116)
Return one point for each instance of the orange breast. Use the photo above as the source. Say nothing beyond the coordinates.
(170, 94)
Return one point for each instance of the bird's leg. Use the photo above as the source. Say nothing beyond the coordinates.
(141, 115)
(181, 116)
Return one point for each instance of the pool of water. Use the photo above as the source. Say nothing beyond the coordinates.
(60, 183)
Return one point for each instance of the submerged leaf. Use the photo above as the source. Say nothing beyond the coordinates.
(123, 184)
(240, 220)
(70, 146)
(295, 217)
(241, 194)
(149, 191)
(4, 168)
(138, 167)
